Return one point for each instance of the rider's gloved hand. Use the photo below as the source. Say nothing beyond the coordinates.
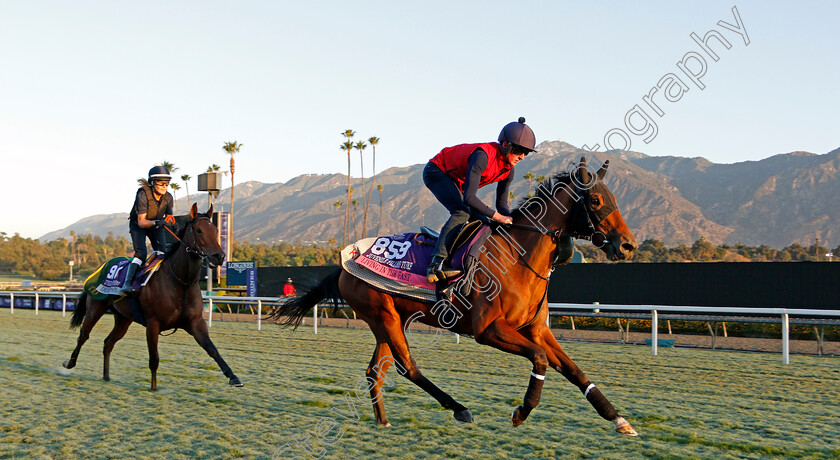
(159, 223)
(501, 218)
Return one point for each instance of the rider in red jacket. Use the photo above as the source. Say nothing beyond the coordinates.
(456, 173)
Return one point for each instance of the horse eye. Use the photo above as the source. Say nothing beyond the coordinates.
(198, 230)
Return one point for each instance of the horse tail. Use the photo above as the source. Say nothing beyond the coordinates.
(79, 311)
(293, 311)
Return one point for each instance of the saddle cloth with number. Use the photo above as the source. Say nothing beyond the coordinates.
(108, 279)
(397, 263)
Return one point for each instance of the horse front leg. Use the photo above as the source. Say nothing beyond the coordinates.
(501, 335)
(561, 362)
(152, 332)
(202, 336)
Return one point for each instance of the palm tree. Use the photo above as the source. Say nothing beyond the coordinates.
(379, 187)
(511, 197)
(214, 168)
(355, 234)
(529, 177)
(170, 166)
(347, 146)
(186, 178)
(231, 148)
(361, 146)
(175, 187)
(338, 205)
(373, 141)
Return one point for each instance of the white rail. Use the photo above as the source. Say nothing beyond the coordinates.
(781, 315)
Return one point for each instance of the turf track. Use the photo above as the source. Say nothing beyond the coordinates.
(685, 403)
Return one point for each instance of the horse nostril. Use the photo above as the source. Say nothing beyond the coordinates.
(627, 248)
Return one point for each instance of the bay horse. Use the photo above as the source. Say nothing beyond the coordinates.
(506, 306)
(170, 300)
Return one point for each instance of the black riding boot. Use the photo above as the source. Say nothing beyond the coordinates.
(130, 274)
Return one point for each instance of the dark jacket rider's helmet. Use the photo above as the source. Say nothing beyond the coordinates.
(520, 134)
(159, 172)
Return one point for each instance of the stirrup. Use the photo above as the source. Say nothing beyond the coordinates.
(439, 271)
(434, 269)
(446, 272)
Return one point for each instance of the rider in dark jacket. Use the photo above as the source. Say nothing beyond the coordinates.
(456, 173)
(152, 210)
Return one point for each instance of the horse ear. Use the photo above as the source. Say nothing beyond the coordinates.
(210, 211)
(603, 171)
(584, 174)
(193, 211)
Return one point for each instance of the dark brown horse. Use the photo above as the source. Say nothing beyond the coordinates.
(506, 306)
(170, 300)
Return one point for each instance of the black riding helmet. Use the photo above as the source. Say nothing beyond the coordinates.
(159, 172)
(519, 134)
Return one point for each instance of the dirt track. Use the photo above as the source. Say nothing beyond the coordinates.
(637, 338)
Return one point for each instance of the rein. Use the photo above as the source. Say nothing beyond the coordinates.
(197, 252)
(557, 234)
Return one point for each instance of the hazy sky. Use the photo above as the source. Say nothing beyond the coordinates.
(93, 94)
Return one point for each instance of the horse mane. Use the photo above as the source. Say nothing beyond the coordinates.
(543, 192)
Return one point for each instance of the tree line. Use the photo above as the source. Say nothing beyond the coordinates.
(653, 250)
(50, 260)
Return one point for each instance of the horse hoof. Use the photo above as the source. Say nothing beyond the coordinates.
(464, 416)
(623, 426)
(236, 383)
(384, 425)
(516, 417)
(68, 365)
(107, 379)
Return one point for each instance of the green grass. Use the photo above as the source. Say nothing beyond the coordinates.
(685, 403)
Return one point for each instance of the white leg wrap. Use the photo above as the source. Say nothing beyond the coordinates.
(588, 389)
(538, 377)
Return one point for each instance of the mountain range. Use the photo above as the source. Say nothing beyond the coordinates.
(786, 198)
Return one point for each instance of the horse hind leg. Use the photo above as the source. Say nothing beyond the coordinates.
(121, 324)
(408, 368)
(94, 310)
(379, 364)
(560, 361)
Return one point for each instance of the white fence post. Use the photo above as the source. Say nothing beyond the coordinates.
(210, 316)
(12, 302)
(36, 304)
(259, 314)
(63, 305)
(654, 332)
(785, 338)
(315, 319)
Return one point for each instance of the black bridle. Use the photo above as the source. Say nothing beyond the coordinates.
(196, 251)
(586, 220)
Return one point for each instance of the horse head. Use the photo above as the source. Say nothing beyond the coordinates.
(204, 239)
(602, 220)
